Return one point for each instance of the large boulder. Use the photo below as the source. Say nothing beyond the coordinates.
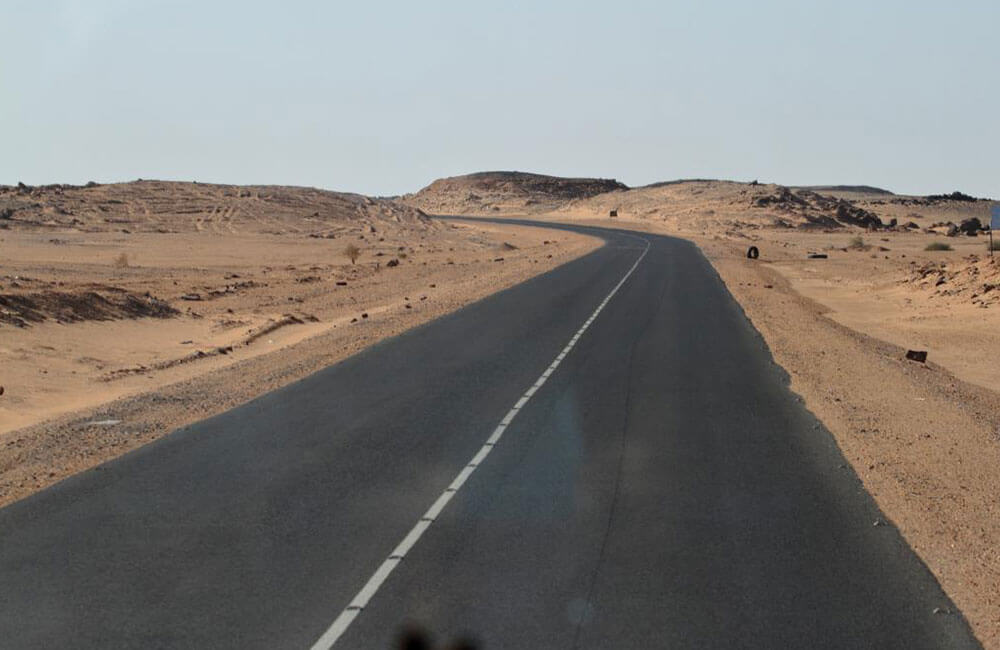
(855, 216)
(971, 227)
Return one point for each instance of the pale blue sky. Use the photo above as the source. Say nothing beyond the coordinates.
(383, 97)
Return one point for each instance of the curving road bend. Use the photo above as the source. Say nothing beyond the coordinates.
(654, 484)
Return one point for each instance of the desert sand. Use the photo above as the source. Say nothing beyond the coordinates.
(129, 310)
(923, 438)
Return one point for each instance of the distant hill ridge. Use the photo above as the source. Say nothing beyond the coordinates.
(506, 191)
(860, 189)
(529, 182)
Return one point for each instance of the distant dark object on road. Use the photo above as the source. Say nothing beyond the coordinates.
(753, 253)
(613, 213)
(817, 256)
(917, 355)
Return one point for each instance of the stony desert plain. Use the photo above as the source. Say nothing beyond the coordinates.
(128, 310)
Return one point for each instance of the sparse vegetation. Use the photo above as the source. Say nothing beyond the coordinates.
(403, 256)
(121, 262)
(857, 243)
(938, 246)
(352, 253)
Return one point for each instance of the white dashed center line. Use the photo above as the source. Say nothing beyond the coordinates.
(360, 601)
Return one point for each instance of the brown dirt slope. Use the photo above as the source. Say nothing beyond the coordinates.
(486, 193)
(703, 206)
(177, 207)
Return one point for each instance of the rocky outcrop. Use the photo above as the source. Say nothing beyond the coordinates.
(514, 192)
(817, 209)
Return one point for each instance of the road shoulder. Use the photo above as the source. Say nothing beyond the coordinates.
(924, 443)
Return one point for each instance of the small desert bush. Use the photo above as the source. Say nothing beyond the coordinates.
(352, 253)
(937, 246)
(403, 256)
(857, 243)
(121, 262)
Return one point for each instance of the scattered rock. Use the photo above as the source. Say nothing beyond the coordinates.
(833, 212)
(919, 356)
(101, 304)
(101, 423)
(954, 196)
(191, 296)
(753, 253)
(971, 227)
(391, 263)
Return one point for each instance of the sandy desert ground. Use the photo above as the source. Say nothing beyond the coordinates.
(125, 305)
(923, 438)
(129, 310)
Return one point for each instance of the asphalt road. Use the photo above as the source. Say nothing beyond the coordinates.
(662, 489)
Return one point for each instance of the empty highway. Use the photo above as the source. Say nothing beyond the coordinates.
(605, 456)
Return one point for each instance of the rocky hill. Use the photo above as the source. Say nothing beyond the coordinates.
(728, 206)
(174, 207)
(491, 193)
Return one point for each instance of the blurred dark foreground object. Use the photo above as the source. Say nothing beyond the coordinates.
(415, 638)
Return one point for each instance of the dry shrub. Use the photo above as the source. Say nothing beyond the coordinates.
(937, 246)
(857, 243)
(352, 253)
